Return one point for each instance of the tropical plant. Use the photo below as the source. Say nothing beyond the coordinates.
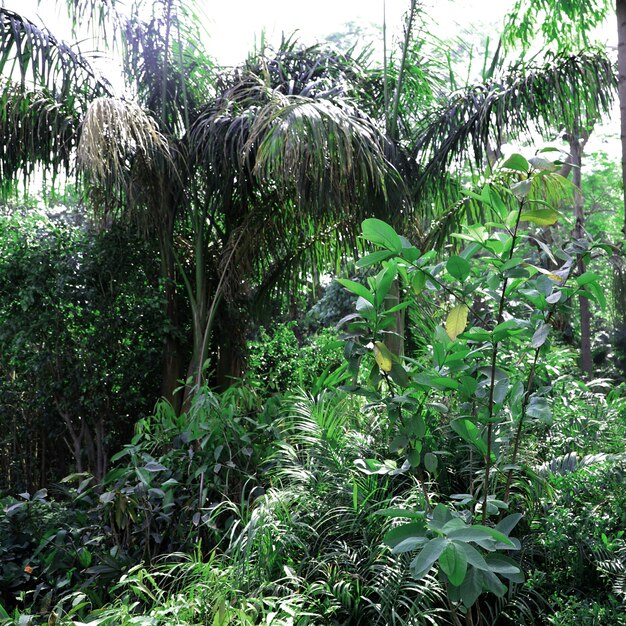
(511, 302)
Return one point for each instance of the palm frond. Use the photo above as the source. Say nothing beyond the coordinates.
(565, 91)
(36, 129)
(29, 53)
(165, 63)
(114, 134)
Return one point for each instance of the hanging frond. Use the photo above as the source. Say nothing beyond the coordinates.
(32, 54)
(36, 130)
(101, 17)
(566, 90)
(326, 151)
(116, 134)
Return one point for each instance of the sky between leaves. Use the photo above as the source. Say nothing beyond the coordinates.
(234, 26)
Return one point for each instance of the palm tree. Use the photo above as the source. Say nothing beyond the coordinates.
(240, 177)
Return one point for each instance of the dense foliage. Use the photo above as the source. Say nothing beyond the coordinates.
(310, 349)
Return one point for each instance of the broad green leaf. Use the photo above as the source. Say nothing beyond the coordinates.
(365, 308)
(471, 588)
(501, 564)
(587, 277)
(410, 544)
(596, 291)
(540, 336)
(406, 531)
(541, 217)
(474, 557)
(516, 162)
(421, 564)
(357, 288)
(538, 407)
(374, 258)
(458, 267)
(521, 189)
(469, 432)
(398, 375)
(493, 584)
(381, 233)
(430, 462)
(456, 321)
(382, 283)
(543, 165)
(418, 281)
(398, 512)
(453, 562)
(478, 533)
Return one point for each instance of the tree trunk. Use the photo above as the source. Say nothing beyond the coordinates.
(576, 143)
(172, 352)
(620, 9)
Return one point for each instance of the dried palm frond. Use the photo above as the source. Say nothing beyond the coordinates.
(115, 135)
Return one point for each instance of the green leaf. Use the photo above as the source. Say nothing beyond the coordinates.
(430, 462)
(453, 562)
(458, 267)
(538, 407)
(540, 335)
(541, 217)
(383, 281)
(493, 584)
(586, 278)
(379, 232)
(398, 512)
(374, 258)
(468, 431)
(357, 288)
(507, 524)
(516, 162)
(471, 588)
(383, 356)
(477, 533)
(543, 165)
(503, 565)
(413, 529)
(421, 564)
(398, 375)
(522, 189)
(474, 557)
(418, 281)
(410, 544)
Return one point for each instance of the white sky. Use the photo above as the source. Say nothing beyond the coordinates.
(234, 24)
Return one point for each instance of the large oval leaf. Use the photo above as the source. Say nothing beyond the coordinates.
(421, 564)
(379, 232)
(454, 563)
(456, 321)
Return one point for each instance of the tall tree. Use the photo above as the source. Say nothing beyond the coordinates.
(241, 183)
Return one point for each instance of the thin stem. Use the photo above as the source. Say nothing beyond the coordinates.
(494, 357)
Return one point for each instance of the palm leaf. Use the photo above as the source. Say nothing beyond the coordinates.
(523, 99)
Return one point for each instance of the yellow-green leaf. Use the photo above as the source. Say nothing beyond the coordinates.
(383, 356)
(541, 217)
(457, 319)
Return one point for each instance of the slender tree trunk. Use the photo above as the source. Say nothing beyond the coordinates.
(620, 9)
(172, 352)
(586, 362)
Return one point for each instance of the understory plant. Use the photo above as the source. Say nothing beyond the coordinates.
(458, 411)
